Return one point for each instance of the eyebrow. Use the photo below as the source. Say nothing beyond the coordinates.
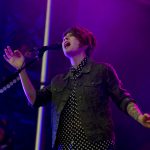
(69, 33)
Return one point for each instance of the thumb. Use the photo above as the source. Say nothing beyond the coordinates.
(18, 53)
(146, 117)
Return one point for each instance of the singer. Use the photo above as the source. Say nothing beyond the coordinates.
(81, 96)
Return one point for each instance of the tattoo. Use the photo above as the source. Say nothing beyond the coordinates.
(133, 110)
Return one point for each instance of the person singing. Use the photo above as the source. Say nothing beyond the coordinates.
(80, 97)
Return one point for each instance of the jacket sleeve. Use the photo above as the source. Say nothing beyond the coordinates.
(46, 94)
(43, 96)
(115, 88)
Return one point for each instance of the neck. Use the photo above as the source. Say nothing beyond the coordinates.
(76, 60)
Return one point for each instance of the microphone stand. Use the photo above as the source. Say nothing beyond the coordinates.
(14, 78)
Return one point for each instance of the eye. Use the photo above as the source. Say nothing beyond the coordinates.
(70, 34)
(65, 38)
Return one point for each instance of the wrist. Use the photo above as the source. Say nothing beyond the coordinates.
(21, 67)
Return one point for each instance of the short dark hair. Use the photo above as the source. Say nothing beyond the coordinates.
(84, 36)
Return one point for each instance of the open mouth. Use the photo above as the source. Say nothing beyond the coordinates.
(67, 44)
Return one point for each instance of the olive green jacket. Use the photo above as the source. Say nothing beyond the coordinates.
(95, 86)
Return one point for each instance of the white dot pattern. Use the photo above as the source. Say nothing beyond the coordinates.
(71, 135)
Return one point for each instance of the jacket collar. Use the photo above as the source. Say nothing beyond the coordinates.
(86, 69)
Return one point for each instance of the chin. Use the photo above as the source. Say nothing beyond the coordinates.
(70, 54)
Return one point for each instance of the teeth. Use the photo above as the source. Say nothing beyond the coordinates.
(67, 44)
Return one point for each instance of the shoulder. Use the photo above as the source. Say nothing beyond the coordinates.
(58, 78)
(102, 65)
(103, 68)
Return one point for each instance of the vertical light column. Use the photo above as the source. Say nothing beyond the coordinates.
(40, 120)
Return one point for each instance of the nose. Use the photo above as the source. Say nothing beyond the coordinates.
(65, 38)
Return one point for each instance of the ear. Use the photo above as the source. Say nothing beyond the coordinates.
(84, 46)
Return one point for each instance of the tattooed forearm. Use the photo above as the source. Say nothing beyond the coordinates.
(133, 110)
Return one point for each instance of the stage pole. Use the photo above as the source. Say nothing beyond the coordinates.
(40, 135)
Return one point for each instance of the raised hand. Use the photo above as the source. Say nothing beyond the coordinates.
(14, 58)
(144, 120)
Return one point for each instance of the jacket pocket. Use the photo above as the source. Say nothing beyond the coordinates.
(93, 88)
(92, 83)
(57, 88)
(94, 93)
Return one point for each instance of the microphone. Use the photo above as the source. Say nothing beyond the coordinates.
(56, 46)
(12, 79)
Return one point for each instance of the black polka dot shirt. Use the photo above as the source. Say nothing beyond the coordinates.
(71, 135)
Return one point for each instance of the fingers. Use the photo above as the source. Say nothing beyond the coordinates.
(147, 115)
(8, 53)
(17, 53)
(5, 57)
(147, 118)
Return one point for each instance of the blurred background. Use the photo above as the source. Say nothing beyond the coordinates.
(122, 30)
